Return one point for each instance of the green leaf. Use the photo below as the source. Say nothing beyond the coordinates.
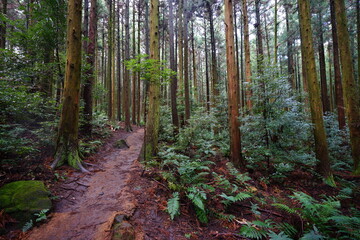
(280, 236)
(173, 205)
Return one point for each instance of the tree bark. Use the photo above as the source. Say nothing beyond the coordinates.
(337, 71)
(324, 91)
(88, 101)
(214, 71)
(186, 66)
(173, 84)
(126, 84)
(276, 32)
(207, 70)
(67, 147)
(307, 49)
(3, 25)
(119, 67)
(233, 89)
(152, 121)
(134, 78)
(289, 44)
(350, 88)
(248, 80)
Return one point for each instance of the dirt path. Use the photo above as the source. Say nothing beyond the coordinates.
(90, 202)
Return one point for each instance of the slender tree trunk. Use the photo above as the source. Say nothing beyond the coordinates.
(186, 67)
(331, 84)
(248, 91)
(152, 122)
(337, 71)
(259, 43)
(207, 70)
(110, 62)
(358, 37)
(127, 90)
(276, 32)
(233, 89)
(3, 25)
(267, 38)
(321, 148)
(237, 52)
(134, 78)
(173, 84)
(322, 64)
(351, 94)
(196, 88)
(214, 71)
(138, 92)
(67, 146)
(289, 43)
(119, 67)
(180, 49)
(88, 98)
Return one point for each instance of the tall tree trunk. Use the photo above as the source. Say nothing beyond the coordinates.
(138, 92)
(237, 51)
(276, 32)
(152, 122)
(207, 70)
(322, 64)
(134, 78)
(180, 49)
(259, 43)
(331, 84)
(109, 80)
(127, 90)
(3, 25)
(88, 101)
(351, 94)
(358, 37)
(233, 89)
(186, 66)
(173, 84)
(337, 71)
(67, 146)
(196, 88)
(321, 148)
(289, 43)
(119, 67)
(248, 80)
(214, 71)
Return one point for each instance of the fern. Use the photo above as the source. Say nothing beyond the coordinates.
(231, 199)
(28, 225)
(313, 235)
(286, 208)
(287, 228)
(280, 236)
(256, 229)
(173, 205)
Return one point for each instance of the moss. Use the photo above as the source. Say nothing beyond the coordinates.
(22, 199)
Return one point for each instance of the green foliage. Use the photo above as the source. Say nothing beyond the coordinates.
(256, 229)
(232, 199)
(28, 225)
(173, 205)
(280, 236)
(150, 69)
(322, 219)
(41, 215)
(277, 130)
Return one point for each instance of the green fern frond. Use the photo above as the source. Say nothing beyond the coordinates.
(231, 199)
(313, 235)
(252, 232)
(287, 228)
(201, 215)
(173, 205)
(280, 236)
(224, 216)
(286, 208)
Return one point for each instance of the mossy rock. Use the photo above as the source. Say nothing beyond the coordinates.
(121, 144)
(22, 199)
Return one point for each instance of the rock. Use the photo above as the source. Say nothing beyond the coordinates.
(22, 199)
(122, 229)
(121, 144)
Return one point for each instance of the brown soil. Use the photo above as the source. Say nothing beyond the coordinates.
(89, 202)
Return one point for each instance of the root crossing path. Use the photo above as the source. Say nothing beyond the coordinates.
(89, 203)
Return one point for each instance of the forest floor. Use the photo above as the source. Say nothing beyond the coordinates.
(120, 189)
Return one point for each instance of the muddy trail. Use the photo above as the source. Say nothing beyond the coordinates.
(89, 202)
